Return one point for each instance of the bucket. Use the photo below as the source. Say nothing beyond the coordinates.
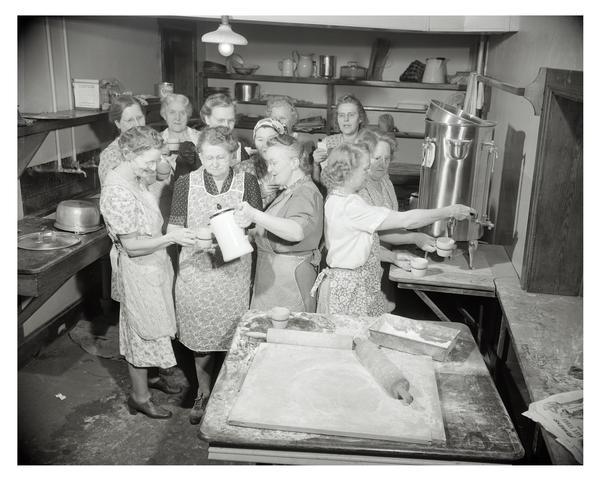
(229, 235)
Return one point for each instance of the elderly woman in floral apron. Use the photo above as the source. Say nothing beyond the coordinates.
(264, 130)
(210, 294)
(143, 273)
(288, 233)
(351, 283)
(379, 191)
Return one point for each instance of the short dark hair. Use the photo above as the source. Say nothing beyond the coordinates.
(119, 104)
(217, 136)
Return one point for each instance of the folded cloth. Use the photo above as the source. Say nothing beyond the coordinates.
(414, 72)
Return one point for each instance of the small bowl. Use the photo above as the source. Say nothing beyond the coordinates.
(246, 69)
(279, 316)
(444, 253)
(445, 243)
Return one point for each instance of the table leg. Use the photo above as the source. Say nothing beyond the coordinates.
(434, 308)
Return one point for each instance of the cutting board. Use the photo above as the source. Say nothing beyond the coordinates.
(451, 272)
(327, 391)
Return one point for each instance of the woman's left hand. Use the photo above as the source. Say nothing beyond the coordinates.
(424, 242)
(244, 215)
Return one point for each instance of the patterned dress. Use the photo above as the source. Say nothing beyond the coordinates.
(128, 209)
(210, 295)
(110, 158)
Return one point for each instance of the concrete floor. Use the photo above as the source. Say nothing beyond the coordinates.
(92, 425)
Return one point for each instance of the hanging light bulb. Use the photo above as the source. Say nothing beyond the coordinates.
(225, 37)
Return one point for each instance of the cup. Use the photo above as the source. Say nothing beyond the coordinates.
(445, 246)
(163, 170)
(204, 237)
(279, 316)
(418, 267)
(173, 145)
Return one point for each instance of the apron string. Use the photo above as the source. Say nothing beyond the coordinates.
(318, 281)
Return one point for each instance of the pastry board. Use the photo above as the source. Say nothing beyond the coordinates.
(327, 391)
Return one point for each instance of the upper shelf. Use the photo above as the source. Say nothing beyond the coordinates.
(335, 81)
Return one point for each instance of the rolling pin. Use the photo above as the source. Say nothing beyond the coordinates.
(383, 370)
(309, 339)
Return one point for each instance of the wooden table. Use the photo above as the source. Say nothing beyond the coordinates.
(451, 275)
(41, 273)
(477, 426)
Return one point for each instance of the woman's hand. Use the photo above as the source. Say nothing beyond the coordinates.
(402, 260)
(424, 242)
(319, 155)
(462, 212)
(182, 236)
(244, 215)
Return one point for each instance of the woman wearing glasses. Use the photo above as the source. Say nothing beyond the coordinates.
(288, 233)
(350, 117)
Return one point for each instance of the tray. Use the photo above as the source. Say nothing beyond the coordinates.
(412, 336)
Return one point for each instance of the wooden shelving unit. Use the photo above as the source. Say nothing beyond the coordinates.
(330, 85)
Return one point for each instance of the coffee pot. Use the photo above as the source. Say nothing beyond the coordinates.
(287, 67)
(435, 70)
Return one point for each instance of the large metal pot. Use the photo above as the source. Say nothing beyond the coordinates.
(78, 216)
(245, 92)
(442, 113)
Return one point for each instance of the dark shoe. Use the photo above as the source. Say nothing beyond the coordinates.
(167, 372)
(147, 408)
(164, 386)
(198, 409)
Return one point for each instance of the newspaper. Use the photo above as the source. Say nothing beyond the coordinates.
(562, 416)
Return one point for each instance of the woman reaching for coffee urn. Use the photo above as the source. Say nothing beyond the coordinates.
(143, 280)
(351, 283)
(288, 232)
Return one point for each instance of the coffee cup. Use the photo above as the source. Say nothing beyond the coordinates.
(204, 237)
(418, 267)
(173, 145)
(445, 246)
(279, 316)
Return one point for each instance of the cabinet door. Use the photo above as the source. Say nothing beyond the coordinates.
(553, 261)
(487, 23)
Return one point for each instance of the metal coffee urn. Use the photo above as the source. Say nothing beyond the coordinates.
(458, 162)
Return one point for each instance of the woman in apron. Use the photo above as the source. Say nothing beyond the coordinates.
(351, 283)
(288, 233)
(143, 280)
(210, 294)
(379, 191)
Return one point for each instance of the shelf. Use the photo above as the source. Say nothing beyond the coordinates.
(297, 104)
(64, 119)
(335, 81)
(394, 109)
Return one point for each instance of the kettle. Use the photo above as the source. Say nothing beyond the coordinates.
(287, 67)
(435, 70)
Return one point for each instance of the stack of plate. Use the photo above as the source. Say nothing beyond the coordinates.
(212, 67)
(213, 90)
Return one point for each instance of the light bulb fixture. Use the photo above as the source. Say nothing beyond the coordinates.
(225, 37)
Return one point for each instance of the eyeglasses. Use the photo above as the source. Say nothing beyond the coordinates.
(347, 116)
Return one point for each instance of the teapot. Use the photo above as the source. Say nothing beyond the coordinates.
(304, 62)
(435, 70)
(287, 67)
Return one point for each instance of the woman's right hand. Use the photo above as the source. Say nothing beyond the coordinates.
(462, 212)
(319, 155)
(183, 236)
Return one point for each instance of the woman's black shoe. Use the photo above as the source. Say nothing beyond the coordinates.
(164, 386)
(148, 408)
(198, 409)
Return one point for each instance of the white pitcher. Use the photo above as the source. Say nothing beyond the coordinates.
(305, 64)
(287, 67)
(229, 235)
(435, 70)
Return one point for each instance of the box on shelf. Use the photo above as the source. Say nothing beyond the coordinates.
(88, 94)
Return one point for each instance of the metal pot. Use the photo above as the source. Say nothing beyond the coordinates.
(353, 71)
(448, 114)
(78, 216)
(245, 92)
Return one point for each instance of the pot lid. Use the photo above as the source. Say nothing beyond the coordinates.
(47, 240)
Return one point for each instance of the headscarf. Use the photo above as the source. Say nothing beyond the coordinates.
(269, 122)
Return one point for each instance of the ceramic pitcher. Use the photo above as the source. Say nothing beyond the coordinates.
(287, 67)
(305, 63)
(435, 70)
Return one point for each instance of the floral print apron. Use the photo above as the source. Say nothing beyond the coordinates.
(210, 295)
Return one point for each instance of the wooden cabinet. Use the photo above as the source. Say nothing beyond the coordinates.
(553, 260)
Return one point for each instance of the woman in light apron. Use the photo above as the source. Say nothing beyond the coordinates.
(143, 275)
(210, 294)
(351, 283)
(288, 233)
(379, 191)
